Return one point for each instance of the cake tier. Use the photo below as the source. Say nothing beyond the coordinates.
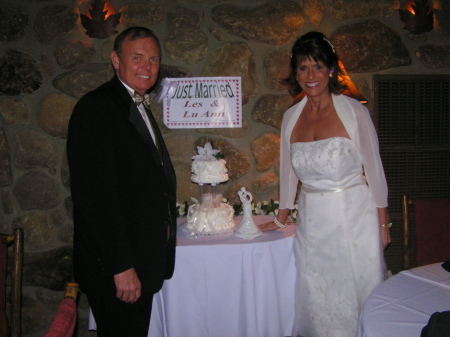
(209, 172)
(203, 220)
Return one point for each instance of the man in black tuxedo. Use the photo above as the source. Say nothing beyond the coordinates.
(124, 192)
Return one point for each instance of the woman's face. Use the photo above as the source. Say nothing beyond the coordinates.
(313, 78)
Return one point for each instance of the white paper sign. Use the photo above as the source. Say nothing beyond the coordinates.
(204, 102)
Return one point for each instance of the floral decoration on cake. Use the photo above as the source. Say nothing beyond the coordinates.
(207, 153)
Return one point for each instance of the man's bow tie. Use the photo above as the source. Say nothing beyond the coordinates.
(142, 99)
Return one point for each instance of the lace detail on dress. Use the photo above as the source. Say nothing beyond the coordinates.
(320, 157)
(336, 314)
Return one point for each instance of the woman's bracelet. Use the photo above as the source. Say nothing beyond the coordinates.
(279, 224)
(388, 225)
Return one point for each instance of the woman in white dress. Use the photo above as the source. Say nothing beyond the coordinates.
(329, 144)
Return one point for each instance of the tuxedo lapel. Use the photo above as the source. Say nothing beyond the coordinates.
(138, 122)
(131, 112)
(156, 132)
(167, 163)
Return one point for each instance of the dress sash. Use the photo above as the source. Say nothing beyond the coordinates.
(330, 190)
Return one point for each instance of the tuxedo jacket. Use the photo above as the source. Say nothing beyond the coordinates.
(124, 197)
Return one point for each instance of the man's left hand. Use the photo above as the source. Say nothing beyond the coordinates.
(128, 286)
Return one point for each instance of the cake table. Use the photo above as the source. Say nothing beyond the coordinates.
(225, 286)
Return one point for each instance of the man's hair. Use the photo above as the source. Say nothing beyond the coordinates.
(134, 33)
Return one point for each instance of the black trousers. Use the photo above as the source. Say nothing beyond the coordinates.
(115, 318)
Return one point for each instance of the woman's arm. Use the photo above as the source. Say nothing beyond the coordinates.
(385, 221)
(370, 153)
(288, 179)
(281, 218)
(373, 168)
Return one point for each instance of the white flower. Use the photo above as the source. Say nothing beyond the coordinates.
(206, 153)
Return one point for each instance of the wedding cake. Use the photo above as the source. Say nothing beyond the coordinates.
(210, 216)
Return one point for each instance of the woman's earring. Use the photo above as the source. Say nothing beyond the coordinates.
(331, 75)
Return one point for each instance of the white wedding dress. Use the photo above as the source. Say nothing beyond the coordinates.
(338, 251)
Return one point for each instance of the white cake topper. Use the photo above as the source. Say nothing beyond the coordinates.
(247, 229)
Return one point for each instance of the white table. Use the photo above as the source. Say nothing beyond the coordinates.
(402, 305)
(228, 287)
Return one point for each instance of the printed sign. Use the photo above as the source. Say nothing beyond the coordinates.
(203, 102)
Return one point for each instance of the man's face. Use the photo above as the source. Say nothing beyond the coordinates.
(138, 65)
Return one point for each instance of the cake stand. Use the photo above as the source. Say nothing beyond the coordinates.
(210, 216)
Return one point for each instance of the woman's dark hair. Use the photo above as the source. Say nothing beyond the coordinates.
(314, 45)
(134, 33)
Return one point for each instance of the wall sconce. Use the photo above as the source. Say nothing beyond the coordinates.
(417, 16)
(351, 90)
(100, 20)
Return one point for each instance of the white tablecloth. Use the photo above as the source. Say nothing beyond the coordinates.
(228, 287)
(402, 305)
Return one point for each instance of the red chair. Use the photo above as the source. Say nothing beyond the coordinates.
(63, 323)
(432, 230)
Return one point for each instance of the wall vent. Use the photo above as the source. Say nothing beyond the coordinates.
(412, 116)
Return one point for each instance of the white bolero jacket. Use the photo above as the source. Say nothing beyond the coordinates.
(359, 126)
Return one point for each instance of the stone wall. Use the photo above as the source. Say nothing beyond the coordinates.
(47, 63)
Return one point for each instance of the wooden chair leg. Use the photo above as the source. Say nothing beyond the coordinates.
(405, 220)
(16, 285)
